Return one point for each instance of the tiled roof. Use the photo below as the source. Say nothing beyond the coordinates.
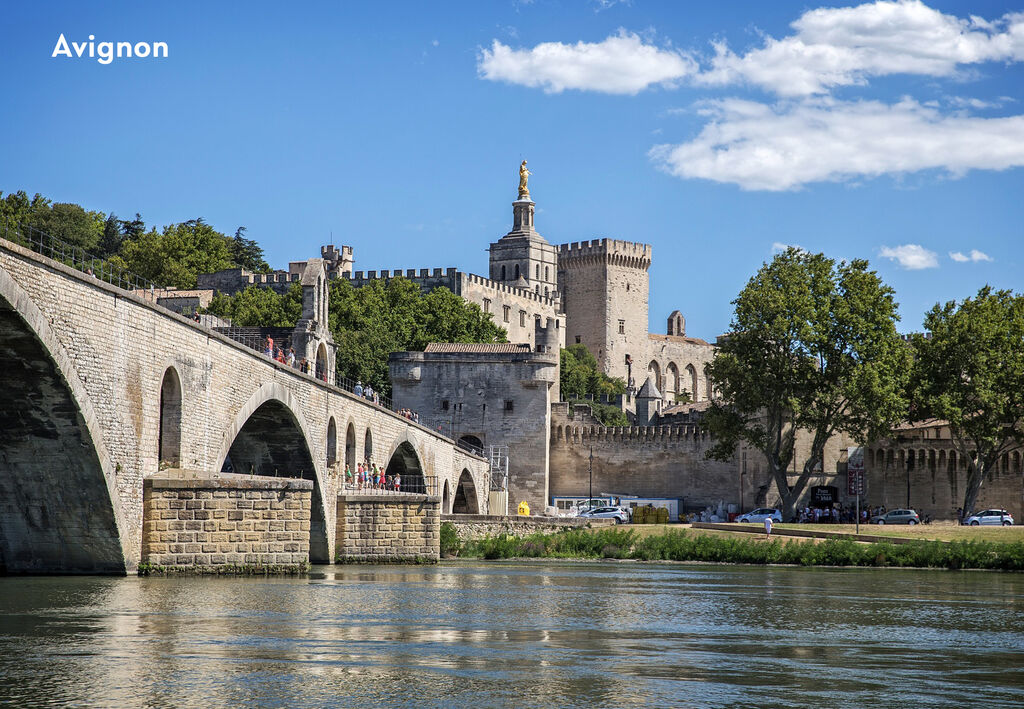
(484, 348)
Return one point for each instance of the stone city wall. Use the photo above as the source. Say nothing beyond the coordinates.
(376, 529)
(233, 523)
(469, 527)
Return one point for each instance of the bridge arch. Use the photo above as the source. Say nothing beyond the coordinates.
(466, 501)
(270, 437)
(63, 512)
(368, 446)
(446, 499)
(404, 460)
(350, 445)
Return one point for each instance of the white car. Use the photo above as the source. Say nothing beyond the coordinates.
(995, 518)
(759, 515)
(619, 514)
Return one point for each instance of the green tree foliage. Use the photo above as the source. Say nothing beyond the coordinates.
(970, 372)
(369, 323)
(175, 256)
(580, 375)
(813, 348)
(247, 253)
(258, 306)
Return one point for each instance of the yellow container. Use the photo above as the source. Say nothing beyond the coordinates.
(524, 509)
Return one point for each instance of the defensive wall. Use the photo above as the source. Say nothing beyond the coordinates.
(104, 388)
(933, 474)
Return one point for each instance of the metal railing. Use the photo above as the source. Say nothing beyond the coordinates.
(78, 258)
(411, 484)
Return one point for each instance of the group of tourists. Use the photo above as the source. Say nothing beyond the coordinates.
(287, 357)
(369, 477)
(841, 514)
(366, 392)
(409, 414)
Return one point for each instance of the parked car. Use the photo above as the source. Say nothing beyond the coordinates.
(897, 517)
(759, 515)
(619, 514)
(990, 517)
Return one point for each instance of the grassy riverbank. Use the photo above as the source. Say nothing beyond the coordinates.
(685, 545)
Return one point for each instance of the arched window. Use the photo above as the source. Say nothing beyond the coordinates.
(170, 419)
(332, 443)
(517, 272)
(502, 273)
(537, 272)
(368, 447)
(691, 376)
(547, 276)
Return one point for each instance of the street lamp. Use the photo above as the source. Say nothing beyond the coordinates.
(590, 499)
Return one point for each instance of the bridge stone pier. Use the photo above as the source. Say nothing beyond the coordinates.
(101, 389)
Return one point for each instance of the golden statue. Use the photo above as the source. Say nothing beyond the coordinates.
(524, 175)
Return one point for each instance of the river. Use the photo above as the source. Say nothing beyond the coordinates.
(518, 634)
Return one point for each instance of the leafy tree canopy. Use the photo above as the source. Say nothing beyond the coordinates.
(813, 347)
(178, 254)
(969, 370)
(580, 375)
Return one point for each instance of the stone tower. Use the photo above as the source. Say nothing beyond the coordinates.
(523, 257)
(648, 403)
(604, 286)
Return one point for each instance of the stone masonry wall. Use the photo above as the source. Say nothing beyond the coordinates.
(231, 523)
(385, 529)
(479, 526)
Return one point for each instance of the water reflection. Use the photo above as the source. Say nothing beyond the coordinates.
(517, 634)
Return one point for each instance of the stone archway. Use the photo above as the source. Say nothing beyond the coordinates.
(269, 437)
(691, 376)
(446, 499)
(471, 443)
(62, 513)
(465, 495)
(405, 462)
(672, 381)
(169, 439)
(321, 362)
(368, 446)
(654, 371)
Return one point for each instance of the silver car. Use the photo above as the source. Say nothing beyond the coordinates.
(897, 517)
(996, 518)
(759, 515)
(619, 514)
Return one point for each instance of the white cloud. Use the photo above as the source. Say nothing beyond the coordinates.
(912, 257)
(778, 247)
(621, 64)
(844, 46)
(974, 256)
(784, 146)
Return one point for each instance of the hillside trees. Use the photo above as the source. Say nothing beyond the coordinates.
(813, 348)
(579, 375)
(969, 370)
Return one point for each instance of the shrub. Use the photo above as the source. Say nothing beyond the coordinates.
(450, 543)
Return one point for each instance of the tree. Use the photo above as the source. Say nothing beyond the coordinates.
(259, 306)
(579, 375)
(247, 253)
(969, 371)
(813, 349)
(178, 254)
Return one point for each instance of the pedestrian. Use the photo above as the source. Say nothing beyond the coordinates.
(767, 527)
(398, 482)
(358, 390)
(290, 359)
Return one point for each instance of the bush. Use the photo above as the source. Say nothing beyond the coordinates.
(450, 543)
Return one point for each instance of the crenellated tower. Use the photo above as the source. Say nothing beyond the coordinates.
(605, 285)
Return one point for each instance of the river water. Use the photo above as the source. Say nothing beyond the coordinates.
(518, 634)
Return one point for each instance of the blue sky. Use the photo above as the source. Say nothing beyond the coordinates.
(713, 131)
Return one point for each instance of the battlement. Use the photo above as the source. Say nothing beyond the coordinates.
(450, 277)
(616, 251)
(551, 300)
(588, 434)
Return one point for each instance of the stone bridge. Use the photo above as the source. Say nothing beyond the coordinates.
(102, 389)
